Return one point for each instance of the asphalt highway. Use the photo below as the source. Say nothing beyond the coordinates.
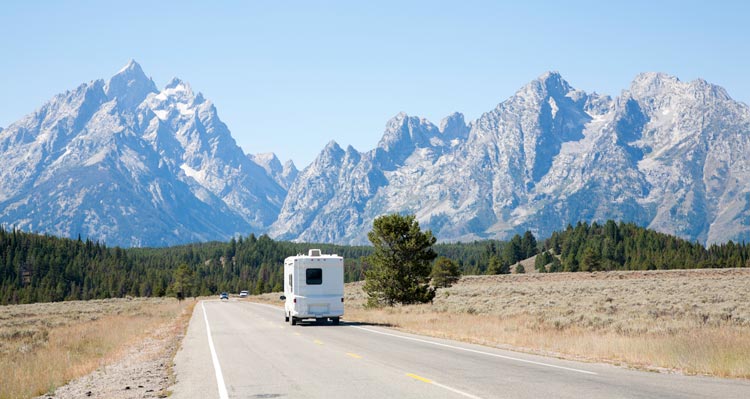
(239, 349)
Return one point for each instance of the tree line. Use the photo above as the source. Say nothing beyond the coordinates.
(626, 246)
(44, 268)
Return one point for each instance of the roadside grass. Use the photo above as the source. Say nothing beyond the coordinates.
(45, 345)
(689, 321)
(178, 330)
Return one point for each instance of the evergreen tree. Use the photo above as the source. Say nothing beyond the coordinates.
(542, 260)
(528, 245)
(591, 260)
(445, 273)
(513, 250)
(498, 266)
(400, 263)
(555, 266)
(182, 284)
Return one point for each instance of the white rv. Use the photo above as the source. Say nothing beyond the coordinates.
(313, 287)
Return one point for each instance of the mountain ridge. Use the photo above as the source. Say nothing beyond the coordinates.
(125, 162)
(551, 155)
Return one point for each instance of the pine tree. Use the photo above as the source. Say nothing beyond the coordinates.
(528, 245)
(445, 273)
(541, 261)
(591, 260)
(498, 266)
(400, 264)
(182, 284)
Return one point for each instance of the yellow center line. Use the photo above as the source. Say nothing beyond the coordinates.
(297, 334)
(318, 342)
(416, 377)
(354, 355)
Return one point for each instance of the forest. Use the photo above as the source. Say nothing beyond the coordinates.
(44, 268)
(626, 246)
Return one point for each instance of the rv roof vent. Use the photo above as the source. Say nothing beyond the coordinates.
(314, 252)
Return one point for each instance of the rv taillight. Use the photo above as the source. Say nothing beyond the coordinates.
(295, 300)
(342, 299)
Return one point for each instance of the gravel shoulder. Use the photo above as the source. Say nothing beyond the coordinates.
(142, 371)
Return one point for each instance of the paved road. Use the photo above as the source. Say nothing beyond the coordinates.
(260, 356)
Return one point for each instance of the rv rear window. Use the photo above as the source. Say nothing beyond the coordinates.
(314, 276)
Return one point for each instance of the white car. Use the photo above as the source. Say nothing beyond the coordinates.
(243, 294)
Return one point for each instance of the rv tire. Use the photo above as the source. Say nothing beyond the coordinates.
(335, 321)
(293, 320)
(286, 317)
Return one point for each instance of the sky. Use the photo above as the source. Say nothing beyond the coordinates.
(290, 76)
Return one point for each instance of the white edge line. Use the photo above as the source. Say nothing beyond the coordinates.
(454, 390)
(459, 348)
(223, 394)
(476, 351)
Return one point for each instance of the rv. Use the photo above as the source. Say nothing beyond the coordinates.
(313, 287)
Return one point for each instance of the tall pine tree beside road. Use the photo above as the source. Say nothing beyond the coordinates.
(400, 265)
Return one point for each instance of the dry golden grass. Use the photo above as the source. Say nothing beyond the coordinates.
(45, 345)
(693, 321)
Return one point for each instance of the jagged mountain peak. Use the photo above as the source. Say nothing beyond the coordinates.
(549, 88)
(266, 158)
(660, 92)
(282, 175)
(653, 83)
(332, 146)
(131, 67)
(397, 122)
(403, 119)
(649, 78)
(552, 83)
(178, 84)
(179, 88)
(330, 156)
(129, 86)
(659, 84)
(454, 126)
(403, 132)
(551, 77)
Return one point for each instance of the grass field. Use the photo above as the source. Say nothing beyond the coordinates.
(692, 321)
(45, 345)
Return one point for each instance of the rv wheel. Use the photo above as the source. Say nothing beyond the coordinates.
(335, 321)
(286, 317)
(293, 320)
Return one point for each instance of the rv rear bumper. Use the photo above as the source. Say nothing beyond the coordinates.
(308, 308)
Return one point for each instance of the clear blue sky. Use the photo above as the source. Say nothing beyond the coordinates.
(288, 76)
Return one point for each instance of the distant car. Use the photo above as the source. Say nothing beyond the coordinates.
(223, 296)
(243, 294)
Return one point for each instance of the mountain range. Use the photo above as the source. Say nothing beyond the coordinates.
(124, 162)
